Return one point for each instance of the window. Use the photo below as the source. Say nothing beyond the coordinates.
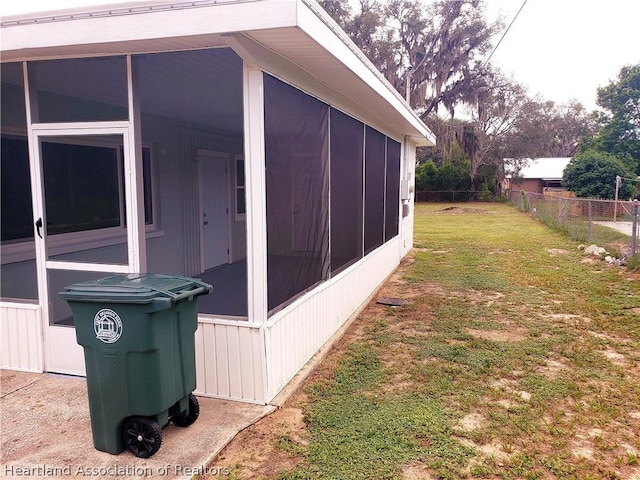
(241, 206)
(17, 221)
(83, 183)
(81, 187)
(79, 89)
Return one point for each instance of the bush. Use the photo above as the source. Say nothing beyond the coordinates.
(592, 174)
(449, 176)
(633, 263)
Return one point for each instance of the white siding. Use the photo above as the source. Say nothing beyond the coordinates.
(21, 337)
(408, 172)
(294, 335)
(229, 360)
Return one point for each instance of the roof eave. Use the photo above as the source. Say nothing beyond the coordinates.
(145, 26)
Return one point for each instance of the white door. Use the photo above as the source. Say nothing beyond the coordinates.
(83, 178)
(214, 209)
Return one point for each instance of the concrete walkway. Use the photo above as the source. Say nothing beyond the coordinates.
(624, 227)
(46, 433)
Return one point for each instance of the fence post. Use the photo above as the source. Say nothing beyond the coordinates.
(590, 222)
(634, 228)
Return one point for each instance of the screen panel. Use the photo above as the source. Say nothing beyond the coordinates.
(297, 187)
(347, 150)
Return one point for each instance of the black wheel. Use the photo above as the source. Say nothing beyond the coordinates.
(186, 419)
(142, 436)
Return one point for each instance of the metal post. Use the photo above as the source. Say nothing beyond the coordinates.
(615, 206)
(408, 90)
(634, 228)
(590, 222)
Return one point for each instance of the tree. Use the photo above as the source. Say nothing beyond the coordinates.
(442, 51)
(620, 134)
(339, 10)
(546, 129)
(484, 138)
(439, 49)
(592, 174)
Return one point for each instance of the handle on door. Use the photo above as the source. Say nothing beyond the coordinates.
(39, 226)
(205, 222)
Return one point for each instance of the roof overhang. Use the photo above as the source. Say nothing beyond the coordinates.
(292, 36)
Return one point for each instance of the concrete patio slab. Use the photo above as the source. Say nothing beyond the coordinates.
(46, 433)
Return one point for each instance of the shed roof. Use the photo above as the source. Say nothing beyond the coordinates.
(297, 35)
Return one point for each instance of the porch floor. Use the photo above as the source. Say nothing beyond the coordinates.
(229, 295)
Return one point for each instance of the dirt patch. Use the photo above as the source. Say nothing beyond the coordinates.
(483, 298)
(614, 357)
(416, 471)
(556, 251)
(566, 318)
(257, 453)
(471, 422)
(610, 338)
(510, 386)
(552, 368)
(516, 335)
(461, 210)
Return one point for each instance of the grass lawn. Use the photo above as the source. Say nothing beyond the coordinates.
(519, 358)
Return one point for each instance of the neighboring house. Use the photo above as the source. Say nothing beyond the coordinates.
(247, 143)
(538, 175)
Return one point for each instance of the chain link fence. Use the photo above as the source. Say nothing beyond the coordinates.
(606, 223)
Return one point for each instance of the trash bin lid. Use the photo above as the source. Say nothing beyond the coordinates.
(136, 288)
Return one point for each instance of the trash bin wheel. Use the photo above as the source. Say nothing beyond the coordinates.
(187, 419)
(142, 436)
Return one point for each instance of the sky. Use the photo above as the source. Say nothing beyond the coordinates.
(561, 50)
(566, 49)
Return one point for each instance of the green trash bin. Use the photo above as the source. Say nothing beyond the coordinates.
(137, 332)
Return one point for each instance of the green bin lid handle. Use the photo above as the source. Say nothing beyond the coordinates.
(203, 288)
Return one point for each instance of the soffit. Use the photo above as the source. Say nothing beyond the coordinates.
(357, 94)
